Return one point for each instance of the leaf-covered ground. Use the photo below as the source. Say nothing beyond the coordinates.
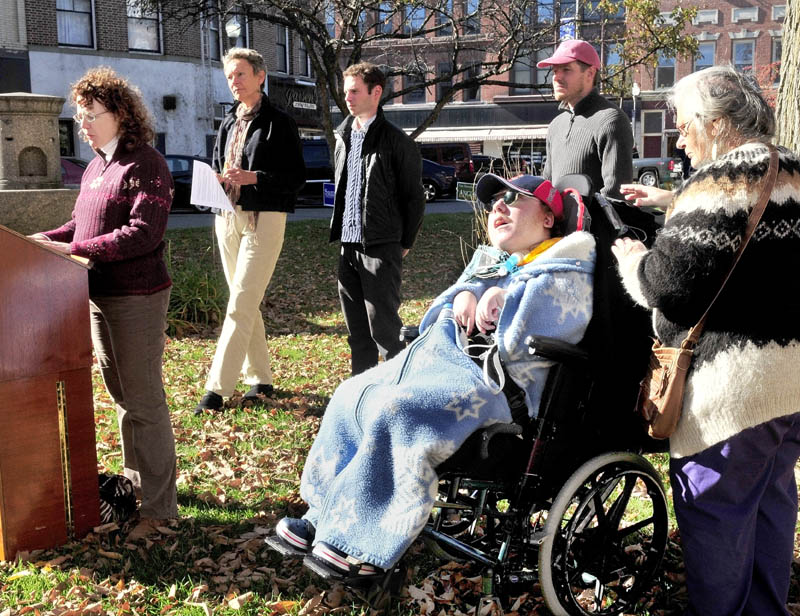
(239, 469)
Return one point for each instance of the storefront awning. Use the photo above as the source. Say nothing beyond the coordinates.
(498, 133)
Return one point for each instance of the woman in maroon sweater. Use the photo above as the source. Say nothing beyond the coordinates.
(118, 224)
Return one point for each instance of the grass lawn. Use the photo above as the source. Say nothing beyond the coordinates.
(239, 470)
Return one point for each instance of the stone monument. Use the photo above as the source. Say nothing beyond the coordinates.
(31, 194)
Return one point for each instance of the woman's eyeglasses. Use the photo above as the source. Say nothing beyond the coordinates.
(88, 116)
(509, 198)
(683, 129)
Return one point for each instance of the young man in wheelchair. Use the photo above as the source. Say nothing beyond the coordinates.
(370, 478)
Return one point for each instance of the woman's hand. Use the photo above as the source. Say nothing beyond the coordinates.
(62, 247)
(38, 237)
(464, 310)
(625, 247)
(239, 177)
(644, 196)
(488, 309)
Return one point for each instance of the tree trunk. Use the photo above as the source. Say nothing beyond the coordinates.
(788, 113)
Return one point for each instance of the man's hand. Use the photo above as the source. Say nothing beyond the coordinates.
(405, 252)
(488, 310)
(464, 310)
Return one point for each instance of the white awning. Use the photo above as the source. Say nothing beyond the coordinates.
(498, 133)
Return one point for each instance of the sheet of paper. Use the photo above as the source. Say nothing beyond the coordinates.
(206, 189)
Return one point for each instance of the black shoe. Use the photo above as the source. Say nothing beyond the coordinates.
(256, 392)
(211, 402)
(297, 532)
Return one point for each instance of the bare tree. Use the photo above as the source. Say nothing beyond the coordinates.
(449, 45)
(787, 115)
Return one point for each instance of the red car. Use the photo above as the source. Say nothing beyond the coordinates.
(72, 170)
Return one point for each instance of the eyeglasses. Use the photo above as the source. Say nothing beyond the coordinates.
(88, 116)
(683, 129)
(509, 198)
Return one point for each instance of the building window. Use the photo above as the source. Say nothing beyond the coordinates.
(385, 14)
(74, 19)
(472, 17)
(143, 28)
(236, 31)
(414, 18)
(743, 55)
(443, 87)
(666, 18)
(705, 55)
(282, 49)
(777, 50)
(212, 35)
(665, 72)
(415, 96)
(592, 12)
(330, 20)
(706, 16)
(521, 73)
(388, 89)
(779, 12)
(546, 11)
(749, 13)
(305, 58)
(444, 18)
(473, 92)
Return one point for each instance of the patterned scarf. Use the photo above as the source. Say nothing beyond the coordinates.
(235, 147)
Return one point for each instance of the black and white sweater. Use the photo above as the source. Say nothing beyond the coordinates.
(745, 369)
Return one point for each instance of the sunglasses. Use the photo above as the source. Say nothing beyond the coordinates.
(509, 198)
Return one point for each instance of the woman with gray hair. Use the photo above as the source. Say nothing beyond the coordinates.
(734, 451)
(259, 160)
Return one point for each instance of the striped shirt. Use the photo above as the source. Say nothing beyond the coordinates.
(351, 222)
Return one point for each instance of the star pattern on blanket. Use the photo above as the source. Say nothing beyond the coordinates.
(465, 406)
(319, 472)
(525, 372)
(343, 515)
(572, 296)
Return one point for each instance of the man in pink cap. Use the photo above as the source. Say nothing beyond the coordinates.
(591, 136)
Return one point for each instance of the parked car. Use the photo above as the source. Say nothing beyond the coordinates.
(180, 166)
(437, 180)
(319, 170)
(456, 155)
(72, 169)
(488, 164)
(654, 171)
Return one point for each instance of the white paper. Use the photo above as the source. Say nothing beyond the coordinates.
(206, 189)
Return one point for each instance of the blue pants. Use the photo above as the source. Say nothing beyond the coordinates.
(736, 504)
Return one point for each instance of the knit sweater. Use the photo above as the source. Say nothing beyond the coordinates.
(595, 139)
(119, 221)
(744, 370)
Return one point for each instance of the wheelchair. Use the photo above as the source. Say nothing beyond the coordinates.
(566, 500)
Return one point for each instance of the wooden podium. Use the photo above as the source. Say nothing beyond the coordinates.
(48, 459)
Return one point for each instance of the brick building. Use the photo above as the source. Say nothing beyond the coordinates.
(49, 44)
(745, 34)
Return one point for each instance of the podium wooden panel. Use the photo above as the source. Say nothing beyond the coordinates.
(48, 459)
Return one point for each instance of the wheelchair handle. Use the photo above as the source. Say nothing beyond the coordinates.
(555, 349)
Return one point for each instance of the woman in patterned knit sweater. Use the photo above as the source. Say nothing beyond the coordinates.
(118, 224)
(736, 445)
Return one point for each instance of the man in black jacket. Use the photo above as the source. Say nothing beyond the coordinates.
(378, 209)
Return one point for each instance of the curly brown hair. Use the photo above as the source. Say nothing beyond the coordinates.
(122, 99)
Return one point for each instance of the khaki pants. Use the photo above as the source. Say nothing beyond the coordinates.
(248, 260)
(128, 338)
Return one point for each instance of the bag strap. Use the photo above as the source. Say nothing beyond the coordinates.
(752, 222)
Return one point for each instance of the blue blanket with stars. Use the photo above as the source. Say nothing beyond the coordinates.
(370, 479)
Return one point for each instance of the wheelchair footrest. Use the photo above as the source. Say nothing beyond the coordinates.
(318, 567)
(278, 545)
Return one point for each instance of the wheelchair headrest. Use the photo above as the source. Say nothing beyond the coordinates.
(576, 189)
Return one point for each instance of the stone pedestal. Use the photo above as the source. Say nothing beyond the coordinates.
(29, 146)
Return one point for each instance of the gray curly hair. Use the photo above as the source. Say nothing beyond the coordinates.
(734, 98)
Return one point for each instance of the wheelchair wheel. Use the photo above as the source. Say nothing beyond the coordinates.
(606, 533)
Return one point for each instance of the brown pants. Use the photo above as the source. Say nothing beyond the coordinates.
(128, 338)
